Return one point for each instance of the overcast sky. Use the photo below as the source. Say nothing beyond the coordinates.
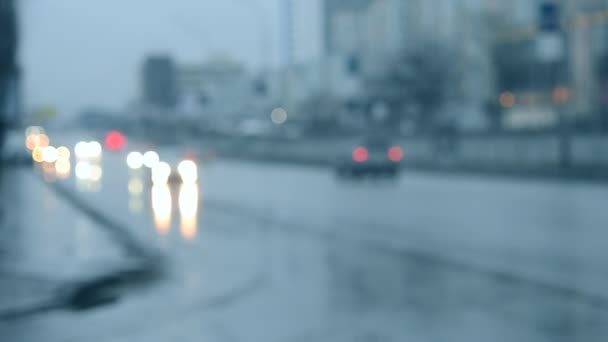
(79, 53)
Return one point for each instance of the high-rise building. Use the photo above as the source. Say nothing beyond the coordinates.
(359, 37)
(159, 83)
(343, 24)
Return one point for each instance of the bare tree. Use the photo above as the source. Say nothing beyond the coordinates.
(425, 77)
(322, 109)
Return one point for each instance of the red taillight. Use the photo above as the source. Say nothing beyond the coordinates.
(360, 154)
(115, 141)
(395, 154)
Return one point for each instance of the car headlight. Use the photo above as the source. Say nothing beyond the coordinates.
(188, 171)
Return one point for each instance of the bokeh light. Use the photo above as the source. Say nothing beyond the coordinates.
(49, 154)
(32, 141)
(278, 116)
(136, 186)
(81, 150)
(96, 173)
(135, 160)
(34, 130)
(63, 153)
(161, 173)
(360, 154)
(561, 95)
(95, 150)
(43, 140)
(162, 207)
(88, 150)
(36, 140)
(115, 141)
(136, 205)
(395, 154)
(507, 99)
(37, 154)
(188, 171)
(83, 170)
(63, 168)
(151, 159)
(49, 174)
(188, 209)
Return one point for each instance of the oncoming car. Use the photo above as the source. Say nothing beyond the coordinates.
(171, 170)
(375, 156)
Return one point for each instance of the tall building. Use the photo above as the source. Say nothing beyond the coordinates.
(159, 83)
(342, 24)
(359, 37)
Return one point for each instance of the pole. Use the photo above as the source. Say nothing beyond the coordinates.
(564, 136)
(551, 50)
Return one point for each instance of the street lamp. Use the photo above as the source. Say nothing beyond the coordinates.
(550, 45)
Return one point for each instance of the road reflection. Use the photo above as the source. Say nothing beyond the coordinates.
(188, 209)
(63, 168)
(162, 207)
(136, 189)
(49, 172)
(88, 176)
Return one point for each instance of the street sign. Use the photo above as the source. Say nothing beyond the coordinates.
(549, 17)
(549, 43)
(550, 47)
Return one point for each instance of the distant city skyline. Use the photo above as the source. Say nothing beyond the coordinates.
(81, 53)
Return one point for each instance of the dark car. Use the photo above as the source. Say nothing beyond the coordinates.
(375, 156)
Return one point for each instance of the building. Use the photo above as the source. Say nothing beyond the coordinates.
(587, 38)
(362, 33)
(159, 83)
(584, 33)
(219, 87)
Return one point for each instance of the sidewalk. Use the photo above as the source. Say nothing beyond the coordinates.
(45, 244)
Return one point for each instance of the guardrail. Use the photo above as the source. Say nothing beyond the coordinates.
(518, 154)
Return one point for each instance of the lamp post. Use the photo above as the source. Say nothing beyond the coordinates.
(551, 50)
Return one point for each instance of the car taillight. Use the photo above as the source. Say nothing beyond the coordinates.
(360, 154)
(395, 154)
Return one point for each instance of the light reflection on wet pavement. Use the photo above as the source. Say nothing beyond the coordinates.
(286, 254)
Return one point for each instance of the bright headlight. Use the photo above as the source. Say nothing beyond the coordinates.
(135, 160)
(188, 171)
(161, 173)
(151, 159)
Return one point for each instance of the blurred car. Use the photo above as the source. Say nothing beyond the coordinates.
(175, 170)
(376, 156)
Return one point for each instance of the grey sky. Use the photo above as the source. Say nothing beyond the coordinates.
(77, 53)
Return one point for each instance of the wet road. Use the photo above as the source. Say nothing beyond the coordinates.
(277, 253)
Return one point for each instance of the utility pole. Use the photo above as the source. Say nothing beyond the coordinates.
(551, 50)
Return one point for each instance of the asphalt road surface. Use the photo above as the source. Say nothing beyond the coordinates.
(269, 252)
